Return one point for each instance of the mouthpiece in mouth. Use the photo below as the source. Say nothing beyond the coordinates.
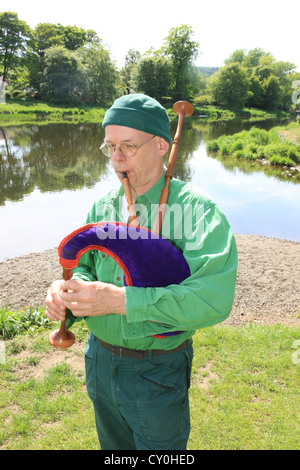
(124, 174)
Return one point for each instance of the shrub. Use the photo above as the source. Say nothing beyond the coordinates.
(213, 146)
(203, 100)
(239, 154)
(238, 145)
(253, 148)
(225, 148)
(15, 323)
(259, 136)
(258, 144)
(261, 151)
(250, 156)
(294, 153)
(278, 160)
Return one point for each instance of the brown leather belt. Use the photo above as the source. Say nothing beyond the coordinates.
(138, 353)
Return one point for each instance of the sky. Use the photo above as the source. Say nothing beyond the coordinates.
(220, 26)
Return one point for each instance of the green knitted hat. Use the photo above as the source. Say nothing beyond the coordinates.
(139, 112)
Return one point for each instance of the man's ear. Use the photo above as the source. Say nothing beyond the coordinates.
(163, 146)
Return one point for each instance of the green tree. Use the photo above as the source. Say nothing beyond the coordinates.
(253, 56)
(131, 60)
(271, 92)
(152, 76)
(64, 78)
(276, 78)
(47, 35)
(270, 81)
(73, 37)
(101, 72)
(15, 38)
(182, 51)
(236, 56)
(255, 96)
(229, 86)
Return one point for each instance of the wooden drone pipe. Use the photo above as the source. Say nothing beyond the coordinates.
(182, 109)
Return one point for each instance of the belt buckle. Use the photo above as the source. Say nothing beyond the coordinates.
(117, 351)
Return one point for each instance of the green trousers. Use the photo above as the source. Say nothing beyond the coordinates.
(139, 404)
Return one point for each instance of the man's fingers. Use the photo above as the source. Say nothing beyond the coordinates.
(72, 285)
(55, 309)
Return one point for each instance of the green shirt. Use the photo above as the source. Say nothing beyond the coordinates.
(205, 238)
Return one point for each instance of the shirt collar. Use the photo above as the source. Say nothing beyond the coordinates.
(153, 194)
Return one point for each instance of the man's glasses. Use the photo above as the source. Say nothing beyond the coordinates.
(126, 148)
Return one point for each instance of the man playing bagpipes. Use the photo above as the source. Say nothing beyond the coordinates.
(142, 309)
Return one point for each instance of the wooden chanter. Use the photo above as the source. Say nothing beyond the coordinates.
(63, 338)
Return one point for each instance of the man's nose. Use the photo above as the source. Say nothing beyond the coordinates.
(118, 155)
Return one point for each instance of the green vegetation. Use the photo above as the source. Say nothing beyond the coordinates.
(67, 64)
(25, 321)
(244, 390)
(70, 65)
(252, 79)
(23, 111)
(259, 145)
(28, 110)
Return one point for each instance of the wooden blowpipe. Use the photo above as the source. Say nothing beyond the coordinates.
(182, 109)
(133, 218)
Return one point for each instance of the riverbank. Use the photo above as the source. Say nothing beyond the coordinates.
(267, 289)
(278, 147)
(18, 111)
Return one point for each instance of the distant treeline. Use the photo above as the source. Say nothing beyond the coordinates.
(69, 65)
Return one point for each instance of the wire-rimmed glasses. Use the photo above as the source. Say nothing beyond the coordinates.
(126, 148)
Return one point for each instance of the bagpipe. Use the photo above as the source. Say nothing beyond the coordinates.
(131, 246)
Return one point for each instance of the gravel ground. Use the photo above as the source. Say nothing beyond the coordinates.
(267, 289)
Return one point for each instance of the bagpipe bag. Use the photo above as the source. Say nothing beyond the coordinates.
(146, 259)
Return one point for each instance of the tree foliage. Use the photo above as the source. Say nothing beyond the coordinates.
(152, 76)
(253, 79)
(67, 64)
(230, 86)
(15, 38)
(63, 78)
(101, 74)
(182, 51)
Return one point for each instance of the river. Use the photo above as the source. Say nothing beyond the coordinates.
(51, 174)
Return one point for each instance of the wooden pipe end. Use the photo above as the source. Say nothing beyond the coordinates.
(183, 107)
(62, 340)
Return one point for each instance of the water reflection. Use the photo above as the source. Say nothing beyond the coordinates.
(55, 157)
(51, 158)
(53, 173)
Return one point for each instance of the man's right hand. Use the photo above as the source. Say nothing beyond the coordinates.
(55, 309)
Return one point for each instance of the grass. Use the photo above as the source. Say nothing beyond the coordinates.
(24, 111)
(292, 134)
(23, 321)
(252, 400)
(28, 110)
(244, 391)
(259, 144)
(213, 113)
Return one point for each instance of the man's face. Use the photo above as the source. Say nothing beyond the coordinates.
(146, 167)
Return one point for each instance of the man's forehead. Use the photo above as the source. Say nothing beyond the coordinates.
(123, 133)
